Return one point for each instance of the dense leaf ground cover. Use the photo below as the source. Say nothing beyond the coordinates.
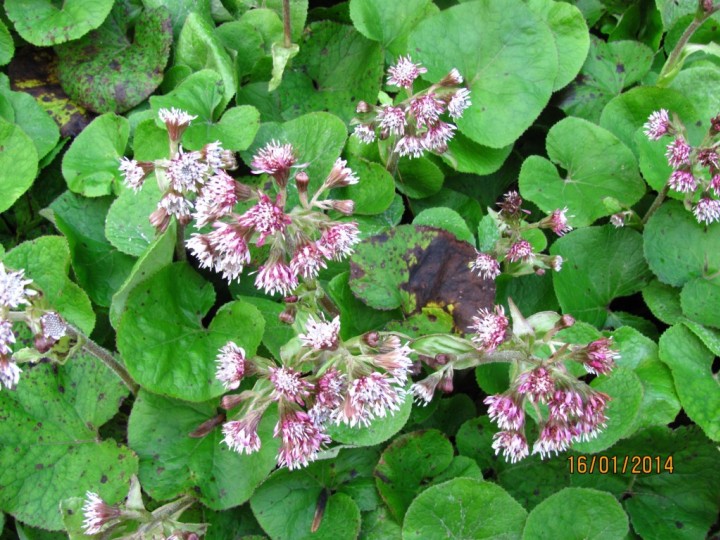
(368, 269)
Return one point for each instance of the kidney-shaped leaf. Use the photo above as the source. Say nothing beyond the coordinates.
(162, 339)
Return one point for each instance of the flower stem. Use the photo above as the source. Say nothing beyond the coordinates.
(106, 357)
(392, 163)
(655, 204)
(286, 23)
(180, 254)
(675, 59)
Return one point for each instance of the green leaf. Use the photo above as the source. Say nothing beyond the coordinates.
(626, 396)
(50, 448)
(375, 191)
(609, 68)
(355, 317)
(378, 525)
(464, 508)
(30, 116)
(165, 346)
(287, 502)
(626, 113)
(277, 333)
(7, 51)
(678, 248)
(672, 10)
(172, 463)
(663, 301)
(46, 261)
(602, 263)
(578, 513)
(18, 163)
(474, 440)
(660, 403)
(465, 155)
(318, 139)
(700, 299)
(127, 226)
(419, 177)
(335, 68)
(570, 32)
(531, 293)
(697, 84)
(598, 165)
(507, 56)
(445, 218)
(180, 9)
(90, 166)
(98, 266)
(158, 255)
(45, 23)
(691, 365)
(407, 464)
(298, 14)
(450, 414)
(533, 479)
(199, 48)
(389, 22)
(380, 430)
(688, 471)
(150, 142)
(107, 72)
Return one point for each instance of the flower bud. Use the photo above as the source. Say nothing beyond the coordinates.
(287, 316)
(346, 207)
(290, 299)
(302, 180)
(452, 79)
(231, 401)
(206, 427)
(566, 321)
(372, 339)
(362, 108)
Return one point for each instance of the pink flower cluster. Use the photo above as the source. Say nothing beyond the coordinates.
(183, 177)
(354, 392)
(47, 326)
(576, 412)
(512, 248)
(301, 242)
(696, 170)
(416, 123)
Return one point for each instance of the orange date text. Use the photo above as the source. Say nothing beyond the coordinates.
(620, 464)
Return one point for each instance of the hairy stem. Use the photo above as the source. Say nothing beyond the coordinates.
(106, 357)
(392, 163)
(286, 23)
(655, 204)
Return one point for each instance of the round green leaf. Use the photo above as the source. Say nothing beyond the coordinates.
(332, 489)
(199, 48)
(407, 463)
(33, 120)
(90, 166)
(378, 525)
(387, 21)
(577, 513)
(46, 261)
(507, 56)
(380, 430)
(172, 463)
(127, 226)
(335, 68)
(626, 395)
(698, 85)
(598, 165)
(464, 508)
(445, 218)
(18, 163)
(163, 342)
(571, 35)
(375, 191)
(149, 141)
(7, 51)
(608, 69)
(418, 178)
(474, 439)
(533, 479)
(99, 267)
(691, 365)
(678, 248)
(601, 264)
(106, 72)
(44, 22)
(49, 445)
(700, 299)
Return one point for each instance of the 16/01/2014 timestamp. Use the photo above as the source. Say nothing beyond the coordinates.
(620, 464)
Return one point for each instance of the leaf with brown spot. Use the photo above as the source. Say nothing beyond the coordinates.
(414, 266)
